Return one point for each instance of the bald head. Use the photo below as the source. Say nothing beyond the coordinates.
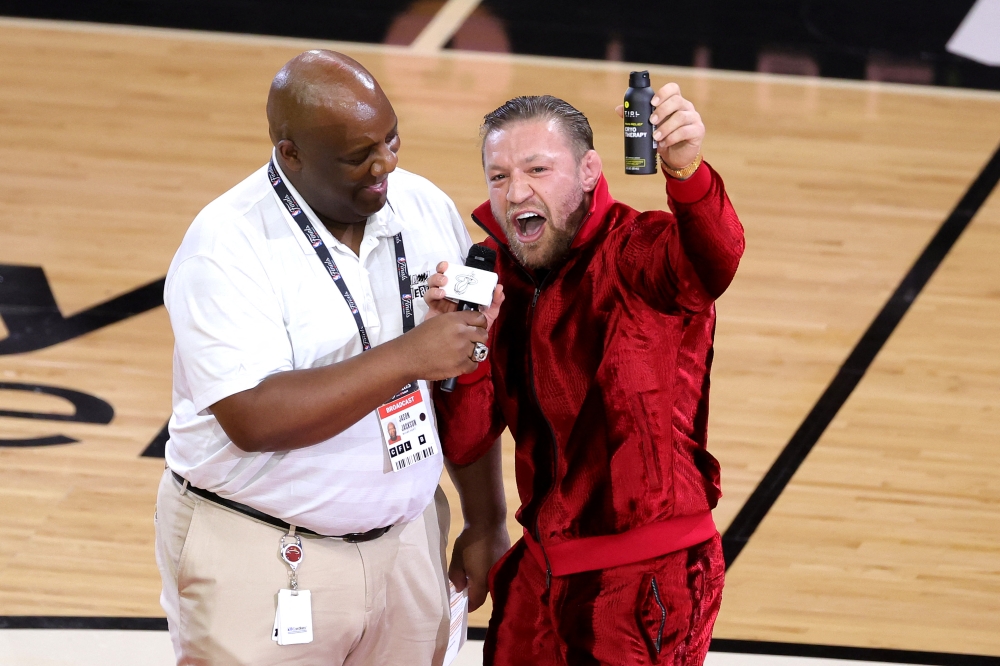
(318, 87)
(334, 133)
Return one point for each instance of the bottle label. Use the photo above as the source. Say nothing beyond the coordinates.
(636, 130)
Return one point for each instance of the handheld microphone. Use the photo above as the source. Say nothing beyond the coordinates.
(484, 259)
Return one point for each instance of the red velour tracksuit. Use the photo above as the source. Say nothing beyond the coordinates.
(600, 368)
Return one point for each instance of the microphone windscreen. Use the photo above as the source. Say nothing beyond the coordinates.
(482, 257)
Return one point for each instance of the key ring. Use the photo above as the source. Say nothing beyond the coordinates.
(292, 554)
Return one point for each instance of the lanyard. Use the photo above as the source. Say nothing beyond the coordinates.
(402, 273)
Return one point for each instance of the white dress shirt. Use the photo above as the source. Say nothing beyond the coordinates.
(248, 297)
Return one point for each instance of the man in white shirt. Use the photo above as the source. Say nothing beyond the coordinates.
(289, 529)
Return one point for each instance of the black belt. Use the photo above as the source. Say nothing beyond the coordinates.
(357, 537)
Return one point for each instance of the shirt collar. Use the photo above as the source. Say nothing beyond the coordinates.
(384, 223)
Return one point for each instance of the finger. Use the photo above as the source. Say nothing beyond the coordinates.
(442, 267)
(476, 334)
(456, 574)
(435, 294)
(493, 311)
(620, 110)
(665, 93)
(477, 593)
(692, 133)
(675, 122)
(473, 318)
(498, 298)
(665, 111)
(437, 280)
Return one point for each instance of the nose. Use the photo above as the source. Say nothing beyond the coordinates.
(385, 162)
(518, 190)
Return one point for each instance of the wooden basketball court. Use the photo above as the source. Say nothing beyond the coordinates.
(887, 536)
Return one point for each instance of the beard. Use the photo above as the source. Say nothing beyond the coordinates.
(555, 242)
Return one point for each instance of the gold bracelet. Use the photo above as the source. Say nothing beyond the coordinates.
(681, 174)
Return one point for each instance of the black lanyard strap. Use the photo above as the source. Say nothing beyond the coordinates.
(402, 272)
(405, 290)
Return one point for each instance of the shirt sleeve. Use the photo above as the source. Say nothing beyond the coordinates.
(688, 259)
(228, 327)
(469, 420)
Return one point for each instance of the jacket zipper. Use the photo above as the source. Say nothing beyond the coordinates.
(534, 393)
(552, 435)
(663, 614)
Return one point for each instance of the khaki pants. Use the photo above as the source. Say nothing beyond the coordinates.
(380, 602)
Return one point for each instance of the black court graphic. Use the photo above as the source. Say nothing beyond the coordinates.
(854, 368)
(86, 409)
(34, 321)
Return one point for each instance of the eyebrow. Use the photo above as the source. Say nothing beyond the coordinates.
(368, 146)
(530, 158)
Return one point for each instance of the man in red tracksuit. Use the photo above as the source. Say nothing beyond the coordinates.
(599, 365)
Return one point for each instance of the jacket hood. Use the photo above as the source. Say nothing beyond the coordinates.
(593, 221)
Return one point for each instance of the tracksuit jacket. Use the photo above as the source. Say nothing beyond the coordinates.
(600, 368)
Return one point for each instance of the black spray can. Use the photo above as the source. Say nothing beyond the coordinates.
(640, 153)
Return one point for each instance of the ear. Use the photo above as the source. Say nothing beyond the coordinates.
(590, 170)
(289, 154)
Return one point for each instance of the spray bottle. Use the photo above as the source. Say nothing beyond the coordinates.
(640, 152)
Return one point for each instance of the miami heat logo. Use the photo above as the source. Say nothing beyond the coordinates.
(463, 282)
(292, 553)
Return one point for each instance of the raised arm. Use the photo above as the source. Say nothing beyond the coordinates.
(690, 260)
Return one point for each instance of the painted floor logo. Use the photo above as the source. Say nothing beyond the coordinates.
(33, 320)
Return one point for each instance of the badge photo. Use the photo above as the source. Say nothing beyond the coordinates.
(407, 429)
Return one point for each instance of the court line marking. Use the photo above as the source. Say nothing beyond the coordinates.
(502, 58)
(774, 482)
(444, 25)
(850, 653)
(719, 645)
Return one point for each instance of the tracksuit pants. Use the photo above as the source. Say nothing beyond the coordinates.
(658, 611)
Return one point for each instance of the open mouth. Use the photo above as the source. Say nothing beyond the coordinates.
(378, 188)
(529, 226)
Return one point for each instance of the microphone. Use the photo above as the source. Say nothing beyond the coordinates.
(484, 259)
